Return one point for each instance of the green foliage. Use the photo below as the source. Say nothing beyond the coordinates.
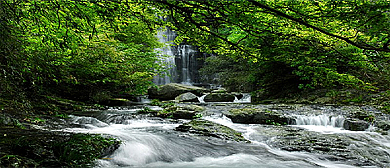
(385, 99)
(75, 48)
(272, 122)
(155, 102)
(63, 116)
(318, 44)
(370, 118)
(197, 115)
(82, 149)
(146, 110)
(168, 104)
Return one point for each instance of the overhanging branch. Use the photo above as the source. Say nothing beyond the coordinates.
(385, 48)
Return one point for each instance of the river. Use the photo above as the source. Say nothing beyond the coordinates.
(317, 140)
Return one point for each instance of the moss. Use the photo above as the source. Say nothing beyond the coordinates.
(209, 128)
(38, 148)
(243, 111)
(82, 149)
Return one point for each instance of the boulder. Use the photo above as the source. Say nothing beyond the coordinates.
(172, 90)
(208, 128)
(181, 112)
(355, 124)
(259, 116)
(219, 97)
(187, 97)
(193, 107)
(384, 125)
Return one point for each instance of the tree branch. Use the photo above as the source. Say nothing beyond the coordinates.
(279, 13)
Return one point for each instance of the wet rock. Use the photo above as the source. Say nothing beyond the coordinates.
(193, 107)
(384, 125)
(181, 112)
(40, 148)
(208, 128)
(172, 90)
(259, 116)
(219, 97)
(187, 97)
(296, 139)
(355, 124)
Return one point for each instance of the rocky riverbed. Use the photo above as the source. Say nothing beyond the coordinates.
(177, 133)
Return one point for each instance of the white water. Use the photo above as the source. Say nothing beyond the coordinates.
(152, 142)
(186, 53)
(180, 61)
(167, 58)
(325, 123)
(245, 99)
(321, 120)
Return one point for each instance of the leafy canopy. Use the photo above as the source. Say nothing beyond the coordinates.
(324, 43)
(72, 44)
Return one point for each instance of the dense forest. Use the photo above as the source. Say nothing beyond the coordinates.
(83, 50)
(89, 51)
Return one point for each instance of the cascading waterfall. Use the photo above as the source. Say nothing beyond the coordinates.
(325, 123)
(168, 59)
(181, 61)
(320, 120)
(186, 53)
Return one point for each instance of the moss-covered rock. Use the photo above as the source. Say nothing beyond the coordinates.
(187, 97)
(384, 125)
(172, 90)
(39, 148)
(208, 128)
(259, 116)
(181, 112)
(354, 124)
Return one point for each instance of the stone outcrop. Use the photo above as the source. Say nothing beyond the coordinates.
(259, 116)
(384, 125)
(187, 97)
(181, 112)
(208, 128)
(219, 97)
(172, 90)
(355, 124)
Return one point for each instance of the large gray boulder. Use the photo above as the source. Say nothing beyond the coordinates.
(172, 90)
(259, 116)
(354, 124)
(208, 128)
(219, 97)
(187, 97)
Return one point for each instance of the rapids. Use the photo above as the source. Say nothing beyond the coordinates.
(318, 140)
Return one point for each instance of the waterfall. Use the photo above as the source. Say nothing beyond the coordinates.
(167, 58)
(181, 61)
(320, 120)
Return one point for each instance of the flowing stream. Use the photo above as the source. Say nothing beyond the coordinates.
(149, 141)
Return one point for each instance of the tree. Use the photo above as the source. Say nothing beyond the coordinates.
(74, 48)
(323, 43)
